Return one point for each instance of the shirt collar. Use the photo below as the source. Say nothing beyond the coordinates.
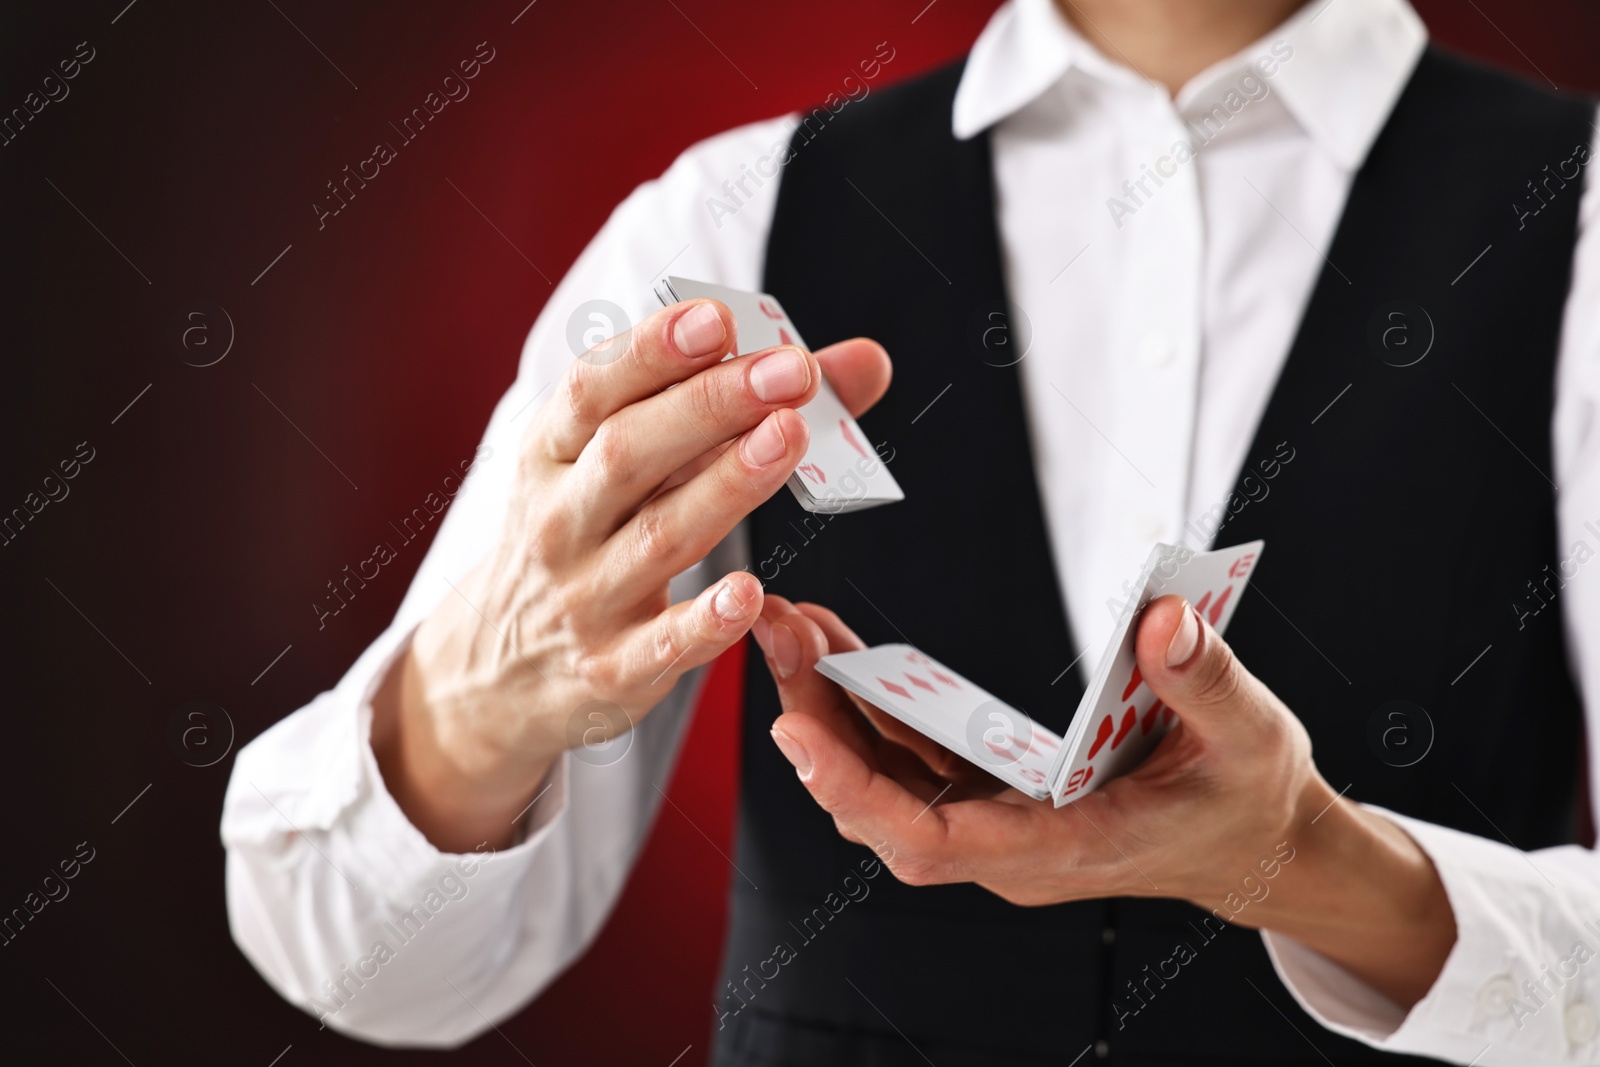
(1351, 59)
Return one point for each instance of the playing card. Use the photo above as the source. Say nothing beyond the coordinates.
(960, 715)
(1119, 720)
(840, 471)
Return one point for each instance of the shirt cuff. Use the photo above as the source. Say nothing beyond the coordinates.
(1514, 988)
(395, 859)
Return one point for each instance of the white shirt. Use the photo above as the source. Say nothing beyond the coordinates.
(1165, 321)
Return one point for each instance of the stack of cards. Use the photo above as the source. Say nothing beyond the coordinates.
(1118, 722)
(841, 471)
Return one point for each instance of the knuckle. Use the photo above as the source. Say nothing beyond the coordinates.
(715, 392)
(548, 526)
(666, 647)
(611, 451)
(579, 395)
(597, 671)
(1281, 732)
(563, 603)
(652, 540)
(531, 458)
(730, 485)
(651, 347)
(1221, 677)
(1274, 734)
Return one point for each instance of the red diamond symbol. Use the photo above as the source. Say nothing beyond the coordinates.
(849, 438)
(918, 681)
(945, 678)
(898, 689)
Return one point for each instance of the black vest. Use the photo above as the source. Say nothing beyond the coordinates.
(1414, 513)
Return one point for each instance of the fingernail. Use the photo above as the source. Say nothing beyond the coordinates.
(794, 752)
(1184, 641)
(785, 650)
(762, 632)
(764, 445)
(728, 605)
(699, 331)
(781, 376)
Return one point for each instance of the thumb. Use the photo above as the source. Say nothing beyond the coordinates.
(1188, 665)
(858, 370)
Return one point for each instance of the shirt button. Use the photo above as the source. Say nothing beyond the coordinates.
(1154, 351)
(1102, 1049)
(1496, 995)
(1108, 936)
(1580, 1023)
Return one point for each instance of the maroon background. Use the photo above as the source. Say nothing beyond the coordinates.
(196, 141)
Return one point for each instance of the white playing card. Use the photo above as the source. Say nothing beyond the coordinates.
(841, 471)
(960, 715)
(1118, 722)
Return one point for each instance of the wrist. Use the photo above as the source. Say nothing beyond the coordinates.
(453, 785)
(1363, 894)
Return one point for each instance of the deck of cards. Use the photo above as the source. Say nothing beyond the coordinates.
(841, 471)
(1118, 722)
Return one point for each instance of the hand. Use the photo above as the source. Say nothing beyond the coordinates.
(1227, 795)
(630, 473)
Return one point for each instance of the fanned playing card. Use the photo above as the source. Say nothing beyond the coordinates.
(841, 470)
(1118, 722)
(957, 713)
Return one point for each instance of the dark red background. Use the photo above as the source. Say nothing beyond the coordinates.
(196, 141)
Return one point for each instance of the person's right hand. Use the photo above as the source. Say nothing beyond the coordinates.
(632, 471)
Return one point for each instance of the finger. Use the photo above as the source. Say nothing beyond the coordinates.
(637, 448)
(948, 766)
(1194, 672)
(921, 764)
(687, 471)
(865, 802)
(922, 840)
(944, 763)
(796, 643)
(877, 791)
(686, 635)
(905, 768)
(913, 772)
(859, 371)
(678, 527)
(773, 608)
(840, 637)
(665, 348)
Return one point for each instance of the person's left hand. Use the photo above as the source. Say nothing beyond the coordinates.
(1225, 788)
